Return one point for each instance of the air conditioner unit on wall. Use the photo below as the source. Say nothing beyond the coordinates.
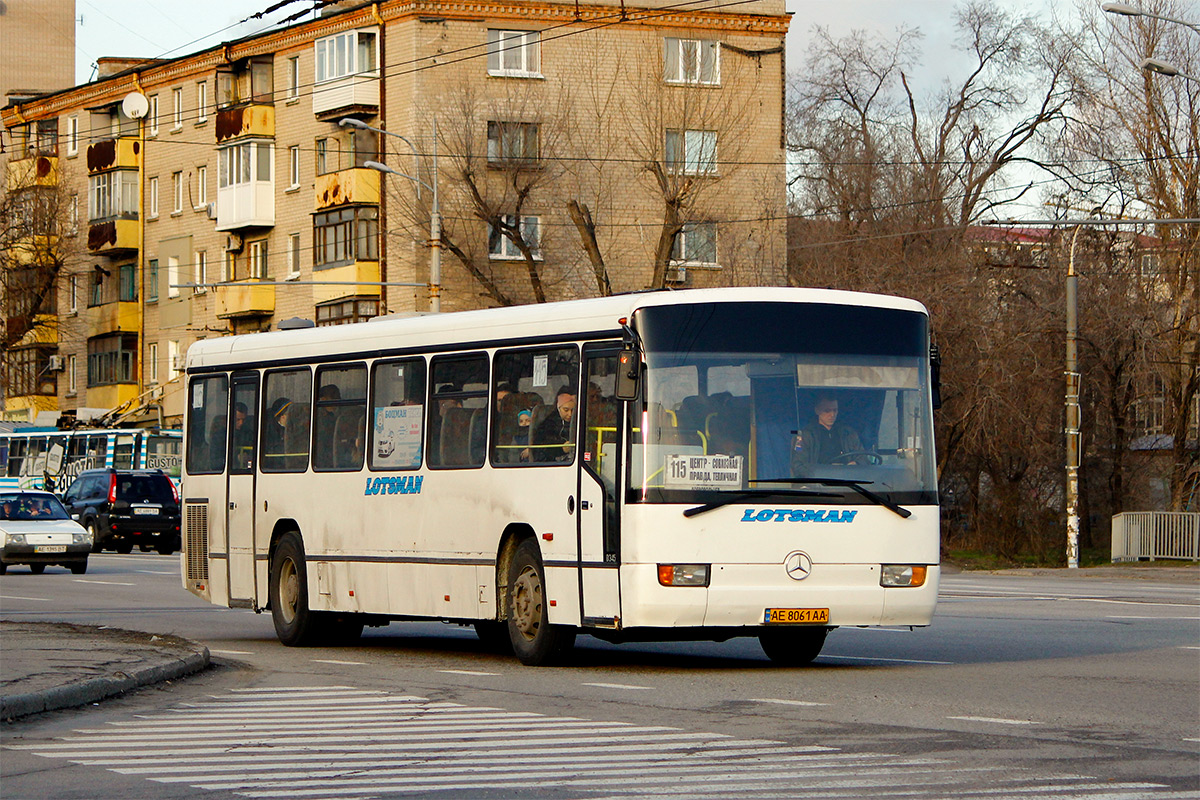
(54, 364)
(178, 363)
(211, 208)
(676, 273)
(233, 243)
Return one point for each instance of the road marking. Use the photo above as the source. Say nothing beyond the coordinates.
(885, 660)
(1189, 619)
(104, 583)
(1189, 647)
(154, 572)
(997, 720)
(467, 672)
(231, 652)
(618, 686)
(340, 663)
(16, 597)
(786, 702)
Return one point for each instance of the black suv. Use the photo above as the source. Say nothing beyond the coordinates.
(123, 507)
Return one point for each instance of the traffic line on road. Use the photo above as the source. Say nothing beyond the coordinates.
(997, 720)
(104, 583)
(468, 672)
(340, 663)
(1187, 619)
(31, 599)
(786, 702)
(619, 686)
(230, 652)
(885, 660)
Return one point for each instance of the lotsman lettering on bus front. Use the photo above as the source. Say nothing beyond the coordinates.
(798, 515)
(409, 484)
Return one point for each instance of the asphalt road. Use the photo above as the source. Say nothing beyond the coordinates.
(1057, 684)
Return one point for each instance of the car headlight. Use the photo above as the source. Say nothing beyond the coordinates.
(81, 538)
(910, 575)
(16, 538)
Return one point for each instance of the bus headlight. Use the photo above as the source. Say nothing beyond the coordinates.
(902, 575)
(683, 574)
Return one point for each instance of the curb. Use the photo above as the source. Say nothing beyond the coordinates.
(91, 691)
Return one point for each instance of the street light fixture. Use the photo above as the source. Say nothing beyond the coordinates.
(1166, 68)
(1126, 10)
(435, 219)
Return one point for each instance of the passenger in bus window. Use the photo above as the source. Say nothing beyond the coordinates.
(521, 437)
(824, 440)
(556, 429)
(213, 457)
(276, 433)
(243, 436)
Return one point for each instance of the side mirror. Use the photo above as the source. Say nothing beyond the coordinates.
(935, 375)
(628, 371)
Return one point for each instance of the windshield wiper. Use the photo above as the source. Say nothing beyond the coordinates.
(741, 497)
(858, 486)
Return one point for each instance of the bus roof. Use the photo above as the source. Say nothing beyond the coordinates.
(492, 326)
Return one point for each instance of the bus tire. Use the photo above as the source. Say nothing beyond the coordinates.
(535, 641)
(295, 624)
(793, 647)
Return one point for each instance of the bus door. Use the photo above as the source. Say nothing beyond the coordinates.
(599, 471)
(239, 511)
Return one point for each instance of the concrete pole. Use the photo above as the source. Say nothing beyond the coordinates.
(435, 236)
(1072, 410)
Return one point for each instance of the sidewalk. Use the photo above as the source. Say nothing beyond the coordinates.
(47, 665)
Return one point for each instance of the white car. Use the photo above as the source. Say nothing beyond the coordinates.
(37, 531)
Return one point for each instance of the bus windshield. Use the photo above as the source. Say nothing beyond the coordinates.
(775, 398)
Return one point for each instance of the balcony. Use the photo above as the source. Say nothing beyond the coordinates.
(25, 173)
(352, 94)
(250, 119)
(113, 154)
(119, 317)
(114, 237)
(252, 298)
(349, 186)
(111, 395)
(357, 271)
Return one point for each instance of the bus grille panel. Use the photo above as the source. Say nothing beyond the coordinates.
(196, 544)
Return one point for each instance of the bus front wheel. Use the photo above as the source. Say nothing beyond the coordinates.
(793, 647)
(295, 624)
(534, 640)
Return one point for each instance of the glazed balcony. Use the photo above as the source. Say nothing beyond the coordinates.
(345, 276)
(113, 154)
(358, 186)
(248, 119)
(250, 298)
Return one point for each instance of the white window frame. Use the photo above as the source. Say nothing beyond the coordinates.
(691, 152)
(201, 272)
(73, 216)
(202, 187)
(684, 61)
(514, 54)
(201, 102)
(508, 251)
(174, 272)
(293, 257)
(177, 111)
(257, 267)
(73, 135)
(152, 198)
(177, 192)
(72, 380)
(338, 56)
(152, 357)
(293, 79)
(154, 115)
(73, 293)
(683, 249)
(294, 166)
(173, 358)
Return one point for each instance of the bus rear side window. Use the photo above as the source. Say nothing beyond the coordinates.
(208, 425)
(341, 414)
(397, 413)
(458, 413)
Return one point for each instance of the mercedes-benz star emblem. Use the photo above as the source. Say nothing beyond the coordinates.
(798, 565)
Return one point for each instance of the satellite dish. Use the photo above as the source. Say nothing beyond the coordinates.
(135, 105)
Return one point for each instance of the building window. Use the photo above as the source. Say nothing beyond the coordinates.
(345, 236)
(293, 261)
(293, 78)
(344, 312)
(177, 192)
(152, 198)
(96, 296)
(73, 293)
(35, 139)
(113, 194)
(510, 142)
(322, 156)
(500, 246)
(174, 359)
(73, 216)
(177, 109)
(692, 152)
(202, 186)
(349, 53)
(127, 283)
(112, 359)
(72, 373)
(154, 115)
(242, 163)
(27, 372)
(294, 167)
(258, 259)
(1149, 265)
(72, 136)
(228, 265)
(696, 244)
(201, 102)
(201, 276)
(691, 61)
(174, 274)
(152, 281)
(513, 53)
(152, 362)
(250, 81)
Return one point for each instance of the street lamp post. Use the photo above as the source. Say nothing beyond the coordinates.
(1126, 10)
(435, 219)
(1166, 68)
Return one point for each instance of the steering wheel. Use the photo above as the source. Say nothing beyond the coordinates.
(870, 456)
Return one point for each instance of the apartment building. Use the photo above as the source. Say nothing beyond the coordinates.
(572, 149)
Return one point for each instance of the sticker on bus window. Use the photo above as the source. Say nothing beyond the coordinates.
(703, 472)
(398, 436)
(197, 395)
(541, 369)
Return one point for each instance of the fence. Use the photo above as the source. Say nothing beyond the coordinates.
(1149, 535)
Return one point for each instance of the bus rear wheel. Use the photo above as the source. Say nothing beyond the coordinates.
(295, 624)
(534, 640)
(793, 647)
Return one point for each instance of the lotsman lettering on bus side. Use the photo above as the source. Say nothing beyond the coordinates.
(409, 484)
(798, 515)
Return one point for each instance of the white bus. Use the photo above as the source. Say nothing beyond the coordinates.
(639, 467)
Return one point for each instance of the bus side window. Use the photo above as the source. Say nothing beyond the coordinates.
(530, 388)
(285, 421)
(339, 427)
(208, 400)
(459, 391)
(397, 413)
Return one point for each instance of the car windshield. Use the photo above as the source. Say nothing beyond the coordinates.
(776, 398)
(31, 507)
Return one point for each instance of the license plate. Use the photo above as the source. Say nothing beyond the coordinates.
(50, 548)
(796, 616)
(145, 511)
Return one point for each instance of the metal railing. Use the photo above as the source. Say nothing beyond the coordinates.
(1138, 535)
